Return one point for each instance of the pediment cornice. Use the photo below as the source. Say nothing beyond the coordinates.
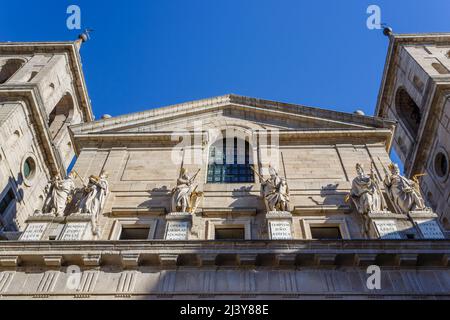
(221, 104)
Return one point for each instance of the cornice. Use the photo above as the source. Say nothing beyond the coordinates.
(17, 254)
(234, 101)
(171, 138)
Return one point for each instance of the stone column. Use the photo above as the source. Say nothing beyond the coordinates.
(279, 224)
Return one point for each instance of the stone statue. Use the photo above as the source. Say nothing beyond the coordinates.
(184, 193)
(275, 192)
(404, 193)
(60, 194)
(94, 197)
(366, 193)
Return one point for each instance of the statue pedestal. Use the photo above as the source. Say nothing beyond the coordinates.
(427, 224)
(279, 224)
(49, 227)
(388, 225)
(178, 226)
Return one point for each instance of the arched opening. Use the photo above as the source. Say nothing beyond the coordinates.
(230, 161)
(29, 168)
(446, 223)
(408, 111)
(60, 115)
(32, 75)
(8, 68)
(440, 68)
(441, 165)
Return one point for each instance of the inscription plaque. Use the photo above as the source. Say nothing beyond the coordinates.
(34, 232)
(387, 229)
(430, 229)
(280, 230)
(177, 230)
(74, 231)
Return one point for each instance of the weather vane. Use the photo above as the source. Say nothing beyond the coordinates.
(85, 35)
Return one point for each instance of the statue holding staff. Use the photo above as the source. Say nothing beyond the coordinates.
(275, 192)
(182, 193)
(405, 193)
(94, 196)
(366, 193)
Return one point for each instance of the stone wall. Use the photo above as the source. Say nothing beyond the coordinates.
(319, 177)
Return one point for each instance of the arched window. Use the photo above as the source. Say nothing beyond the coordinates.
(408, 111)
(440, 68)
(60, 115)
(230, 162)
(8, 68)
(446, 223)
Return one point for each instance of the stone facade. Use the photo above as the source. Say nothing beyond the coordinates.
(156, 214)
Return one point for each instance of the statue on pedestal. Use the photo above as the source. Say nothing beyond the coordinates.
(366, 193)
(275, 192)
(60, 194)
(184, 195)
(94, 197)
(404, 193)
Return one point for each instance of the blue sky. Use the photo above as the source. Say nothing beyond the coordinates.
(145, 54)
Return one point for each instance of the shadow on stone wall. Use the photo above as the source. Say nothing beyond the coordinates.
(331, 196)
(159, 197)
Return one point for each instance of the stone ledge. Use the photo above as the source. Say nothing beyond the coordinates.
(387, 215)
(215, 212)
(140, 211)
(9, 261)
(275, 215)
(184, 216)
(423, 214)
(320, 209)
(275, 253)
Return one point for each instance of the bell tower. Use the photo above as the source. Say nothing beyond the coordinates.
(415, 91)
(42, 92)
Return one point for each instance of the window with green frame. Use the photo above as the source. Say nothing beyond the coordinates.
(230, 164)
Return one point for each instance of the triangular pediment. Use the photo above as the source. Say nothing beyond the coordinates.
(231, 111)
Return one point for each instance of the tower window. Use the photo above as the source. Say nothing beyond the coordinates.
(440, 68)
(61, 115)
(32, 75)
(441, 164)
(9, 68)
(29, 167)
(408, 112)
(230, 163)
